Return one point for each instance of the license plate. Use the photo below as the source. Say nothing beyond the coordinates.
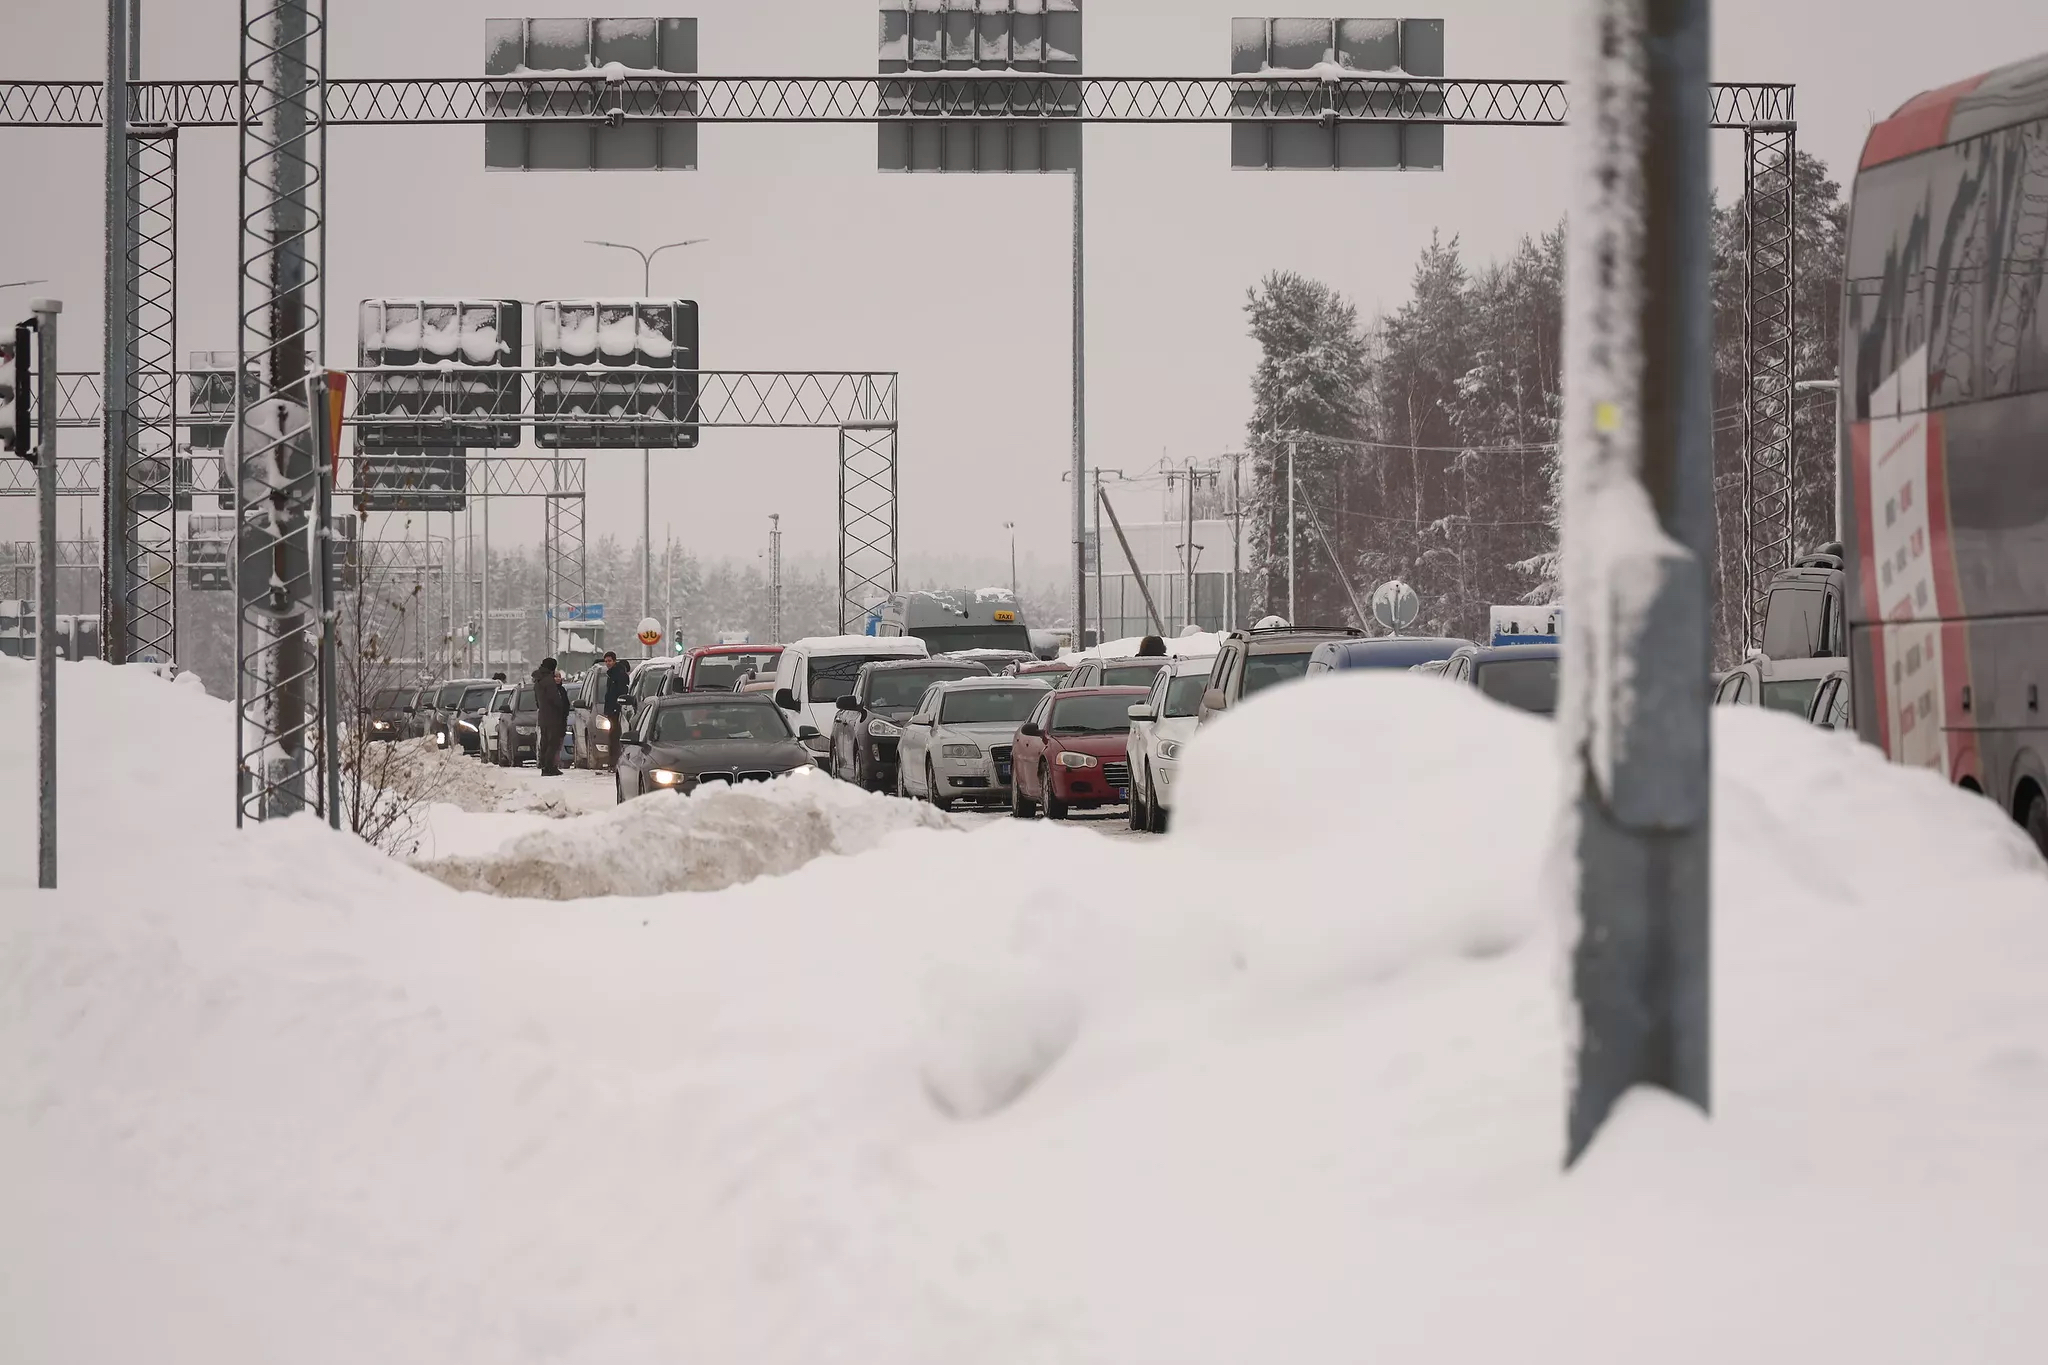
(1002, 772)
(1123, 793)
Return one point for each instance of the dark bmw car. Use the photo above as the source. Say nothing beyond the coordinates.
(870, 719)
(680, 743)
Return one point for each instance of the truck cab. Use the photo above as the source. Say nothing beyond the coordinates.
(1803, 614)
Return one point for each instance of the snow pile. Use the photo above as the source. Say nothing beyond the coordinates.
(1285, 1085)
(1200, 644)
(707, 841)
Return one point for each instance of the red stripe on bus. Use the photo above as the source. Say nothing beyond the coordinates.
(1866, 577)
(1921, 123)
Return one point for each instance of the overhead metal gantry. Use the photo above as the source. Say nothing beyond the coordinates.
(282, 105)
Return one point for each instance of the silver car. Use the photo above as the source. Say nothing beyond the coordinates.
(956, 745)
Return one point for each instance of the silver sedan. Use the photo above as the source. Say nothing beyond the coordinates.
(956, 745)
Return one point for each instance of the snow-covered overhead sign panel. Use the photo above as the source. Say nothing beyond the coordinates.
(438, 360)
(942, 47)
(630, 361)
(1307, 62)
(590, 68)
(411, 479)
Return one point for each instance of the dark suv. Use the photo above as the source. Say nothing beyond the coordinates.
(458, 698)
(1254, 660)
(870, 718)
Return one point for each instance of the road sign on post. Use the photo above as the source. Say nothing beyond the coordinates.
(942, 48)
(1639, 518)
(1307, 68)
(1395, 605)
(600, 68)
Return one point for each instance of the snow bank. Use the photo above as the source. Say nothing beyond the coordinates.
(1197, 645)
(1285, 1085)
(703, 842)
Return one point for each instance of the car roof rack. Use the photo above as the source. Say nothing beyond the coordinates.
(1301, 630)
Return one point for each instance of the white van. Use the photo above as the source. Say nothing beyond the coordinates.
(812, 675)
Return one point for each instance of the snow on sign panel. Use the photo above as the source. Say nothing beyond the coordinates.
(579, 70)
(947, 51)
(432, 363)
(1302, 62)
(633, 361)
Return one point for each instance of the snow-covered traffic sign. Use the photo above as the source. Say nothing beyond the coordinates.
(1395, 605)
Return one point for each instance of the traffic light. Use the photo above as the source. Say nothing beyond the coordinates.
(675, 635)
(17, 395)
(472, 632)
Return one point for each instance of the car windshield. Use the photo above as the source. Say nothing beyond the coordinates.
(522, 700)
(834, 677)
(989, 705)
(946, 639)
(1261, 671)
(450, 694)
(1184, 695)
(718, 721)
(901, 687)
(722, 672)
(1794, 695)
(476, 698)
(1792, 625)
(1097, 715)
(1526, 684)
(387, 698)
(1131, 675)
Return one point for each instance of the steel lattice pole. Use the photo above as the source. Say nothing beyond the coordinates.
(868, 562)
(119, 286)
(1768, 348)
(282, 217)
(146, 582)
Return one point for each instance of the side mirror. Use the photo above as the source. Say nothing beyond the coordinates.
(807, 732)
(785, 699)
(849, 702)
(1140, 713)
(1030, 727)
(1214, 699)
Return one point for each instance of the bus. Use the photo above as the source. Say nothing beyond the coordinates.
(1944, 437)
(950, 620)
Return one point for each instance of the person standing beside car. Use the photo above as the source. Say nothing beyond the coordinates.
(618, 677)
(551, 707)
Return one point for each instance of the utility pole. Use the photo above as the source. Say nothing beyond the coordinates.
(46, 311)
(1080, 469)
(646, 462)
(775, 570)
(1187, 615)
(1639, 469)
(1291, 618)
(115, 504)
(1011, 527)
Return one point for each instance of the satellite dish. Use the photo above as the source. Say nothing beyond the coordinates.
(1395, 605)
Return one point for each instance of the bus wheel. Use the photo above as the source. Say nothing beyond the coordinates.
(2036, 821)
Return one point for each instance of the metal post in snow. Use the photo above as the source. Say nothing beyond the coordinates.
(486, 626)
(1639, 527)
(324, 548)
(46, 311)
(119, 317)
(1081, 444)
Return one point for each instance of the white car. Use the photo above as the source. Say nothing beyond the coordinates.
(1161, 726)
(812, 674)
(956, 745)
(1815, 690)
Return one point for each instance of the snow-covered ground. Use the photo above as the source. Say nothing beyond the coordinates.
(1287, 1084)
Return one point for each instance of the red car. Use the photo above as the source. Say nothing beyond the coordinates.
(1069, 754)
(720, 668)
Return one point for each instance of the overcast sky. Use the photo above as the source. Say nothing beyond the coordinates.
(960, 283)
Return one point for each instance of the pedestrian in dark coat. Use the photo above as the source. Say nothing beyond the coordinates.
(618, 677)
(551, 704)
(1151, 647)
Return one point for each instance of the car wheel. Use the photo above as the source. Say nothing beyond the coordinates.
(1021, 806)
(619, 788)
(2036, 822)
(931, 789)
(1134, 810)
(902, 784)
(1055, 809)
(1155, 814)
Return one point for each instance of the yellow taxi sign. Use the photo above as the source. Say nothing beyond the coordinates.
(1006, 616)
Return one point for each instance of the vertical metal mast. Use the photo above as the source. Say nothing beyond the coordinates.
(1769, 344)
(119, 293)
(282, 214)
(1639, 534)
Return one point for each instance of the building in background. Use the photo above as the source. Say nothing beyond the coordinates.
(1160, 549)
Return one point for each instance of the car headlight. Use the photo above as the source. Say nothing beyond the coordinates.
(380, 725)
(467, 725)
(604, 722)
(665, 777)
(1169, 749)
(1074, 760)
(967, 751)
(882, 729)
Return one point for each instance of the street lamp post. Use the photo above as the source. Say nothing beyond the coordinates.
(646, 463)
(1011, 527)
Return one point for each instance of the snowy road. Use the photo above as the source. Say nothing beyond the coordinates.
(479, 806)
